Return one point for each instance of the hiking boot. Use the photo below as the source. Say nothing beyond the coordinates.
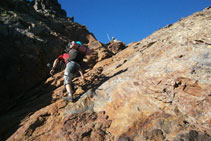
(69, 97)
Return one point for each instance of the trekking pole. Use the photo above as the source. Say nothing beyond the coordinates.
(49, 66)
(108, 37)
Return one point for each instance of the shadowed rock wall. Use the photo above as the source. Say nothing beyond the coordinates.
(32, 34)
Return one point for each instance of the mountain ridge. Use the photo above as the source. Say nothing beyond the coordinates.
(154, 89)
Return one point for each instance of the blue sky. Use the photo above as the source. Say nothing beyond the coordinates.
(129, 20)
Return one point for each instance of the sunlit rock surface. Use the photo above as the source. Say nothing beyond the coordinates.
(155, 89)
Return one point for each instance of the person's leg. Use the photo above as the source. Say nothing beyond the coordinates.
(69, 89)
(67, 80)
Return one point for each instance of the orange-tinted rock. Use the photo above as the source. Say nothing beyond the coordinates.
(155, 89)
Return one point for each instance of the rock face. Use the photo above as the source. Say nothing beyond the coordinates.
(155, 89)
(32, 35)
(49, 8)
(159, 88)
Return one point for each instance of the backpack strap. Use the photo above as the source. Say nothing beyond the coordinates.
(78, 47)
(86, 50)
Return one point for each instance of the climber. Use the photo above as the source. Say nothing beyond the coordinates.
(114, 39)
(72, 67)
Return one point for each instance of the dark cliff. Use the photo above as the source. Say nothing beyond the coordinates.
(32, 34)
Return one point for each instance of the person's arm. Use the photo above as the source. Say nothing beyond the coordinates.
(54, 66)
(82, 76)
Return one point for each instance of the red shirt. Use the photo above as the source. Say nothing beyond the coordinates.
(64, 57)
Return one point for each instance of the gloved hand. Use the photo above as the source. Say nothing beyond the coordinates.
(52, 71)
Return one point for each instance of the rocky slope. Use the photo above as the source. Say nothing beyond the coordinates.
(32, 35)
(155, 89)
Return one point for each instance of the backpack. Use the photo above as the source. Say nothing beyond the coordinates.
(78, 46)
(75, 55)
(77, 51)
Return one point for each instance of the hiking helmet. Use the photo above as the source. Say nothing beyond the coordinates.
(78, 42)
